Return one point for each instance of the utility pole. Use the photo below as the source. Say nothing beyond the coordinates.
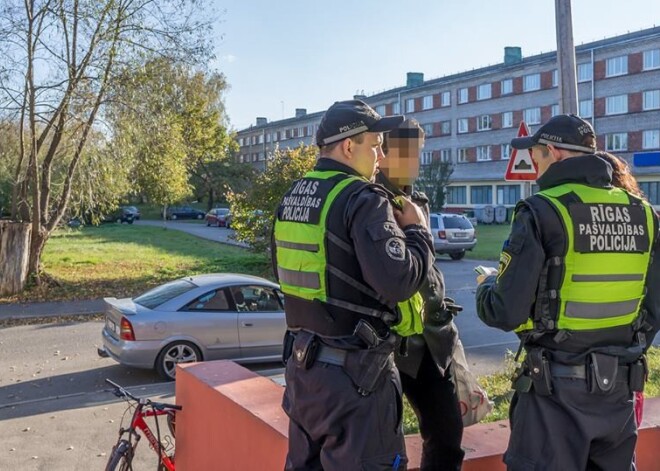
(565, 58)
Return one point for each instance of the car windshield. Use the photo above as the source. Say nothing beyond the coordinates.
(161, 294)
(456, 222)
(222, 210)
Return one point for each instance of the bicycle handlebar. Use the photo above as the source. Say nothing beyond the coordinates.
(119, 390)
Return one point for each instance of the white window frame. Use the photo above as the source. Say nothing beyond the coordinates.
(507, 119)
(427, 102)
(396, 108)
(462, 125)
(484, 123)
(426, 158)
(555, 78)
(586, 109)
(617, 104)
(445, 155)
(554, 110)
(651, 100)
(616, 66)
(651, 139)
(463, 96)
(483, 153)
(445, 127)
(410, 105)
(651, 59)
(428, 129)
(506, 87)
(445, 99)
(584, 72)
(380, 109)
(531, 82)
(532, 115)
(505, 151)
(461, 154)
(484, 91)
(617, 141)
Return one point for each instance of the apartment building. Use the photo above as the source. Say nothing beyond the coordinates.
(470, 117)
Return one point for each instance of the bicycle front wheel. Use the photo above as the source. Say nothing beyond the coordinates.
(121, 458)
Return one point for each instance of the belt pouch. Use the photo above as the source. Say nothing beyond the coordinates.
(305, 347)
(287, 346)
(638, 373)
(602, 373)
(539, 372)
(366, 367)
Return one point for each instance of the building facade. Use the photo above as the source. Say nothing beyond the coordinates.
(470, 117)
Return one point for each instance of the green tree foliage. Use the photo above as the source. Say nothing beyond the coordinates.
(58, 60)
(253, 209)
(433, 180)
(167, 99)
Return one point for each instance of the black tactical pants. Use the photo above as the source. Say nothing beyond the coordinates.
(572, 429)
(334, 428)
(433, 398)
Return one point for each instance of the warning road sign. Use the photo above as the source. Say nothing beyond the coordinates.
(521, 166)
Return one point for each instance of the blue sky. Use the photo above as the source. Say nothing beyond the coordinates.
(287, 54)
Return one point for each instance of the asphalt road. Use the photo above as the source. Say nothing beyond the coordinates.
(57, 412)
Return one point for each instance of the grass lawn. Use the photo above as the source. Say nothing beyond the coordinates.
(498, 387)
(124, 260)
(490, 239)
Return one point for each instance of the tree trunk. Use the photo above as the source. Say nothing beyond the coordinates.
(14, 256)
(37, 244)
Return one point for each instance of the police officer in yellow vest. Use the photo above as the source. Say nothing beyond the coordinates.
(345, 258)
(578, 281)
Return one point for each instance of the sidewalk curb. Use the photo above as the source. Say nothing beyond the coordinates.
(51, 309)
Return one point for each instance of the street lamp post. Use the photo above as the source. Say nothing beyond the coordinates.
(565, 57)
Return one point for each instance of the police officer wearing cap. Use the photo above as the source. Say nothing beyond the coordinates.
(577, 281)
(344, 257)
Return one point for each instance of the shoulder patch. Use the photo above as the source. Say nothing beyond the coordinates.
(505, 259)
(396, 249)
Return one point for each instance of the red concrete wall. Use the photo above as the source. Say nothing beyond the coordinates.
(232, 420)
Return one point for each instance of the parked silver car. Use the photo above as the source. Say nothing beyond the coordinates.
(453, 234)
(204, 317)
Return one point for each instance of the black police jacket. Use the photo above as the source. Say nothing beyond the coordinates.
(506, 301)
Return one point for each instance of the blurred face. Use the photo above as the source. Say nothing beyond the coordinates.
(401, 165)
(366, 155)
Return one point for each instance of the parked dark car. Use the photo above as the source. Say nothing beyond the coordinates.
(220, 217)
(183, 212)
(132, 210)
(121, 216)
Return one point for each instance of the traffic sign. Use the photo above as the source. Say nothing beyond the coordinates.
(521, 166)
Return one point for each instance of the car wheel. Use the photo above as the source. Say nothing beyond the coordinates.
(119, 221)
(199, 216)
(208, 223)
(130, 221)
(176, 352)
(457, 255)
(173, 217)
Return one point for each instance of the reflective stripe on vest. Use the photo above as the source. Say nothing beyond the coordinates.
(608, 251)
(301, 252)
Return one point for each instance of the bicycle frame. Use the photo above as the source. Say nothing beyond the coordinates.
(138, 422)
(144, 409)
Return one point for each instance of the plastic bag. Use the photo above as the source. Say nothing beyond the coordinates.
(472, 398)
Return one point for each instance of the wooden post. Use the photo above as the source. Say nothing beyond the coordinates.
(14, 256)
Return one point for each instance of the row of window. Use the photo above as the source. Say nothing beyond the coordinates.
(483, 194)
(614, 67)
(275, 136)
(510, 194)
(618, 141)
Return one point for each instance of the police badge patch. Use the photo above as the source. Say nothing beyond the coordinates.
(396, 249)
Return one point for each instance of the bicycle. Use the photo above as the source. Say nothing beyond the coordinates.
(121, 458)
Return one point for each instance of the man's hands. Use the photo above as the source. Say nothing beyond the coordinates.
(409, 213)
(484, 272)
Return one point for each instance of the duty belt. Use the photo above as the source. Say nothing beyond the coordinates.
(558, 370)
(330, 355)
